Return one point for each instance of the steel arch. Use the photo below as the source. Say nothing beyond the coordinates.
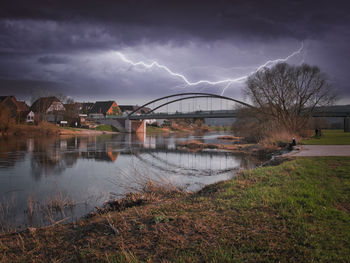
(193, 95)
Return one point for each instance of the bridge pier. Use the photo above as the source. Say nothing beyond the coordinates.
(135, 126)
(125, 125)
(347, 124)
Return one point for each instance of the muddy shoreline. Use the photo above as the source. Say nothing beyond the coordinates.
(256, 150)
(50, 130)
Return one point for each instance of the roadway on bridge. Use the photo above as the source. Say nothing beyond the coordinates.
(320, 150)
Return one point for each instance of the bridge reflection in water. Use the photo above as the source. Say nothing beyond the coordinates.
(54, 155)
(89, 169)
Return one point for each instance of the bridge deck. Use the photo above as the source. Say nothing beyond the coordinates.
(211, 114)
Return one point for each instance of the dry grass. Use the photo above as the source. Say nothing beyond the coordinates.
(36, 213)
(275, 137)
(185, 126)
(60, 202)
(259, 150)
(6, 208)
(191, 144)
(43, 128)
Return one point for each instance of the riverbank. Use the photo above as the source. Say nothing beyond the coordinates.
(85, 132)
(258, 150)
(31, 130)
(182, 126)
(296, 212)
(48, 129)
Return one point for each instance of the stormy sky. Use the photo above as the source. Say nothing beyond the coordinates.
(71, 47)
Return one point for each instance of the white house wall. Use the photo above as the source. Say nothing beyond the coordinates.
(55, 106)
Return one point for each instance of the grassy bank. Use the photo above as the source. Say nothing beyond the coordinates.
(296, 212)
(43, 128)
(330, 137)
(108, 128)
(220, 128)
(101, 129)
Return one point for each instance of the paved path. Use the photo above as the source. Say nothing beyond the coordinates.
(321, 150)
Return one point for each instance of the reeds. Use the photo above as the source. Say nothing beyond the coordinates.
(139, 179)
(35, 213)
(60, 202)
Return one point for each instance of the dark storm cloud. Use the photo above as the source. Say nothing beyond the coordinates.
(205, 19)
(25, 88)
(46, 60)
(69, 45)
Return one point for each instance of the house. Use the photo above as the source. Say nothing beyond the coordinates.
(18, 109)
(30, 117)
(82, 119)
(85, 107)
(104, 108)
(126, 109)
(50, 109)
(10, 103)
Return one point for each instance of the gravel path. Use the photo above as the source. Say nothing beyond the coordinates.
(320, 150)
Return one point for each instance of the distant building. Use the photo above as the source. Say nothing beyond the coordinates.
(103, 109)
(50, 109)
(30, 117)
(82, 118)
(85, 107)
(126, 109)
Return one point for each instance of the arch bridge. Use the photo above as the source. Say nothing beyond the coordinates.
(134, 121)
(180, 114)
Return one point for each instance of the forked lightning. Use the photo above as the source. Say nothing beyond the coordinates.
(228, 81)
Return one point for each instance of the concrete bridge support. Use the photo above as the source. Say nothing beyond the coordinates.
(125, 125)
(135, 126)
(347, 124)
(118, 124)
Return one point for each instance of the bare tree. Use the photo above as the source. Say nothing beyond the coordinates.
(289, 94)
(5, 118)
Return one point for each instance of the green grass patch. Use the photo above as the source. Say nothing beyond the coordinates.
(330, 137)
(295, 212)
(220, 128)
(69, 128)
(106, 128)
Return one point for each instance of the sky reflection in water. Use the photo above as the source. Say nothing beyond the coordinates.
(90, 170)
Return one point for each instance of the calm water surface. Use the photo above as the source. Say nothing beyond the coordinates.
(43, 180)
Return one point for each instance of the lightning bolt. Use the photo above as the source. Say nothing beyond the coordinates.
(228, 81)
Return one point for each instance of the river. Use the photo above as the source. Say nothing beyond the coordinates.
(45, 179)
